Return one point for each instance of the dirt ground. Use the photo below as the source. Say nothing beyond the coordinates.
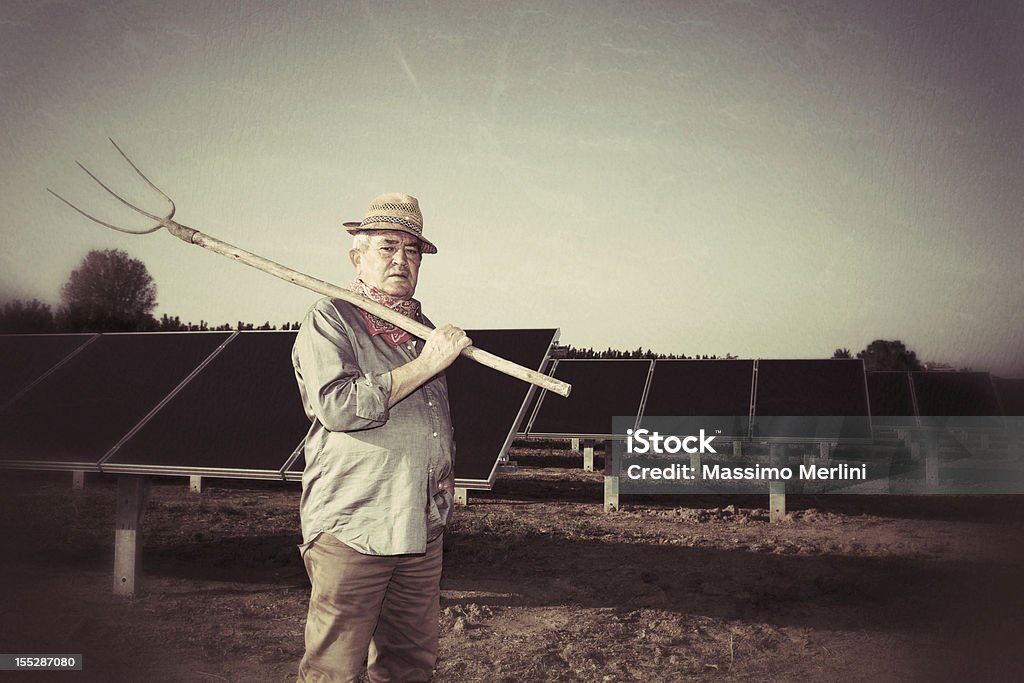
(539, 584)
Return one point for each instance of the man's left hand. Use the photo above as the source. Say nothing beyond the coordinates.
(448, 484)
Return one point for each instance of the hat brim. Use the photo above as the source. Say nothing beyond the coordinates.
(354, 227)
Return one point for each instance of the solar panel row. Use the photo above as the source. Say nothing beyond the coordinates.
(214, 403)
(75, 415)
(738, 398)
(765, 399)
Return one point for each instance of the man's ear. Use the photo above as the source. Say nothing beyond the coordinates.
(353, 256)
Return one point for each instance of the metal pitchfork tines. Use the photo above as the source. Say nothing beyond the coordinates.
(193, 236)
(175, 228)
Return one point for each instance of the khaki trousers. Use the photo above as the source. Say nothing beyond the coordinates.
(382, 610)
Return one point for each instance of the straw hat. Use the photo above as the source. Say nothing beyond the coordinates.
(394, 211)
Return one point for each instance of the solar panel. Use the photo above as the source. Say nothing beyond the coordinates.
(892, 400)
(24, 358)
(1011, 396)
(487, 406)
(241, 416)
(601, 390)
(701, 394)
(957, 400)
(75, 415)
(811, 400)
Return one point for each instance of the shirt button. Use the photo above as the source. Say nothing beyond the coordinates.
(430, 404)
(435, 435)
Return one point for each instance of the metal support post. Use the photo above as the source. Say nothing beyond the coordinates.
(776, 501)
(131, 502)
(611, 479)
(931, 464)
(461, 496)
(195, 484)
(588, 455)
(77, 480)
(777, 489)
(574, 444)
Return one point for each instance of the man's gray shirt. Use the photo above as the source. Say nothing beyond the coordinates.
(371, 472)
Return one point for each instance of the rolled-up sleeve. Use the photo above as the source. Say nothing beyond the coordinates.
(336, 391)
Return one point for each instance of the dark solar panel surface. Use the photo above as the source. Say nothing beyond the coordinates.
(24, 358)
(601, 389)
(943, 395)
(484, 403)
(82, 410)
(892, 403)
(796, 398)
(242, 412)
(702, 389)
(1011, 396)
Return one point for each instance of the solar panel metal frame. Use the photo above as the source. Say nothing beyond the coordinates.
(286, 467)
(218, 472)
(95, 466)
(682, 362)
(287, 471)
(867, 439)
(530, 433)
(191, 470)
(291, 474)
(535, 396)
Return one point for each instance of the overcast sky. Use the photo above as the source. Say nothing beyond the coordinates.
(768, 179)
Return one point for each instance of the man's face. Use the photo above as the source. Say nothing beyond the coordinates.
(391, 263)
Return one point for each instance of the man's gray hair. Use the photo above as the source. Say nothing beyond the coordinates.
(361, 241)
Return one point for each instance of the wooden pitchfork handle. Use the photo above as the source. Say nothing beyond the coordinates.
(193, 236)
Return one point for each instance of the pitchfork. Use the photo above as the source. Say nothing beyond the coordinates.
(193, 236)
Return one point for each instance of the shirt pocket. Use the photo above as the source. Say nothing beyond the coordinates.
(359, 477)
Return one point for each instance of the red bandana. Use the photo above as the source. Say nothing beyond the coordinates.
(393, 334)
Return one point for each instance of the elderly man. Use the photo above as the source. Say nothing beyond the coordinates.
(378, 483)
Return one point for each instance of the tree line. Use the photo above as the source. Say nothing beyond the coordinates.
(112, 292)
(574, 352)
(109, 292)
(881, 354)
